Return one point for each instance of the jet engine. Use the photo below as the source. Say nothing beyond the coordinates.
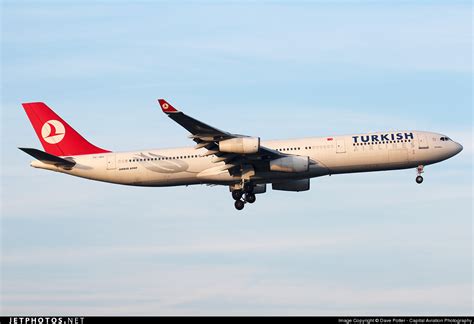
(260, 188)
(290, 164)
(240, 145)
(292, 185)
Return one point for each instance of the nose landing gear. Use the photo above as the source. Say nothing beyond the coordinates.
(419, 178)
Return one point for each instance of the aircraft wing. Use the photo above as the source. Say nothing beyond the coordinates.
(209, 137)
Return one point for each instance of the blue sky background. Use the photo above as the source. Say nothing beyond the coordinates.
(355, 244)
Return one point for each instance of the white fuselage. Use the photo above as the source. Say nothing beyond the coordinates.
(328, 155)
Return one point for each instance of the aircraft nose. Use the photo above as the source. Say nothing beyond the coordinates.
(458, 148)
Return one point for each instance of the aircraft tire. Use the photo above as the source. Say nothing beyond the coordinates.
(239, 204)
(237, 194)
(419, 179)
(250, 198)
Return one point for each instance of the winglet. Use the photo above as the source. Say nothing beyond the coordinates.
(166, 107)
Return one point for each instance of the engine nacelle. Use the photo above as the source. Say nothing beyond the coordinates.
(290, 164)
(260, 188)
(292, 185)
(241, 145)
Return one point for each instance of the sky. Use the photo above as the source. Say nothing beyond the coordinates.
(359, 244)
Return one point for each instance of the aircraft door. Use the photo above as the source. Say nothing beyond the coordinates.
(110, 161)
(422, 142)
(340, 146)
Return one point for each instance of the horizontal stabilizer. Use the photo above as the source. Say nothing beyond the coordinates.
(48, 158)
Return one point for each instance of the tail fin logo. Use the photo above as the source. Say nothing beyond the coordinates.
(53, 131)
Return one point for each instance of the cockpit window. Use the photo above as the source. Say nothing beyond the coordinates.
(444, 138)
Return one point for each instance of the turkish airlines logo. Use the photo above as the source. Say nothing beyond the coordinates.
(53, 131)
(165, 106)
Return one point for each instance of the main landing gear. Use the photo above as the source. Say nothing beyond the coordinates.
(419, 178)
(243, 196)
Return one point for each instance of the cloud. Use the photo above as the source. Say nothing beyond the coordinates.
(316, 36)
(59, 255)
(345, 36)
(230, 290)
(295, 272)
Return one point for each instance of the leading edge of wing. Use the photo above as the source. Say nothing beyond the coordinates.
(209, 136)
(194, 126)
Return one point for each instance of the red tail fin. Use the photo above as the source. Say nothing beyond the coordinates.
(56, 136)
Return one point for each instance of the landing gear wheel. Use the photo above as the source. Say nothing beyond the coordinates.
(239, 204)
(237, 194)
(419, 179)
(248, 188)
(250, 198)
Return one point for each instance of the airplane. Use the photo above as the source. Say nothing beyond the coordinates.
(244, 163)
